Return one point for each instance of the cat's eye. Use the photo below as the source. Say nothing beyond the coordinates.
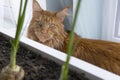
(40, 24)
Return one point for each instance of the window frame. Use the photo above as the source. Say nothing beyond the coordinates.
(109, 17)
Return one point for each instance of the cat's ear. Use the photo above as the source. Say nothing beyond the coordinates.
(36, 6)
(61, 14)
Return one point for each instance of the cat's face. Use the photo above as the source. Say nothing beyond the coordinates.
(47, 26)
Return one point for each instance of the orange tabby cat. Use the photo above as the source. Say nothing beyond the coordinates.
(47, 27)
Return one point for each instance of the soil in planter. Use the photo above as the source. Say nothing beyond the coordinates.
(36, 67)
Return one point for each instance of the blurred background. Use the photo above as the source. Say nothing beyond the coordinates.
(97, 19)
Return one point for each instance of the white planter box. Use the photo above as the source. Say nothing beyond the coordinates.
(91, 71)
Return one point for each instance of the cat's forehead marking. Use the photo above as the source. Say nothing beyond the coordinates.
(47, 16)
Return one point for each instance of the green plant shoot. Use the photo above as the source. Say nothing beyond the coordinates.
(15, 42)
(65, 67)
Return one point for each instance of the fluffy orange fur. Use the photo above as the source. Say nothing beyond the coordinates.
(47, 28)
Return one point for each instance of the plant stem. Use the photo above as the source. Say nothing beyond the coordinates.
(17, 35)
(65, 67)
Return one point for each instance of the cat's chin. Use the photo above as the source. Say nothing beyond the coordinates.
(44, 40)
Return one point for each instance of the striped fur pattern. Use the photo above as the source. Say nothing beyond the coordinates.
(47, 27)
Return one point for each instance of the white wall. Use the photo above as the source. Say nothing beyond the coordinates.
(1, 12)
(89, 19)
(110, 30)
